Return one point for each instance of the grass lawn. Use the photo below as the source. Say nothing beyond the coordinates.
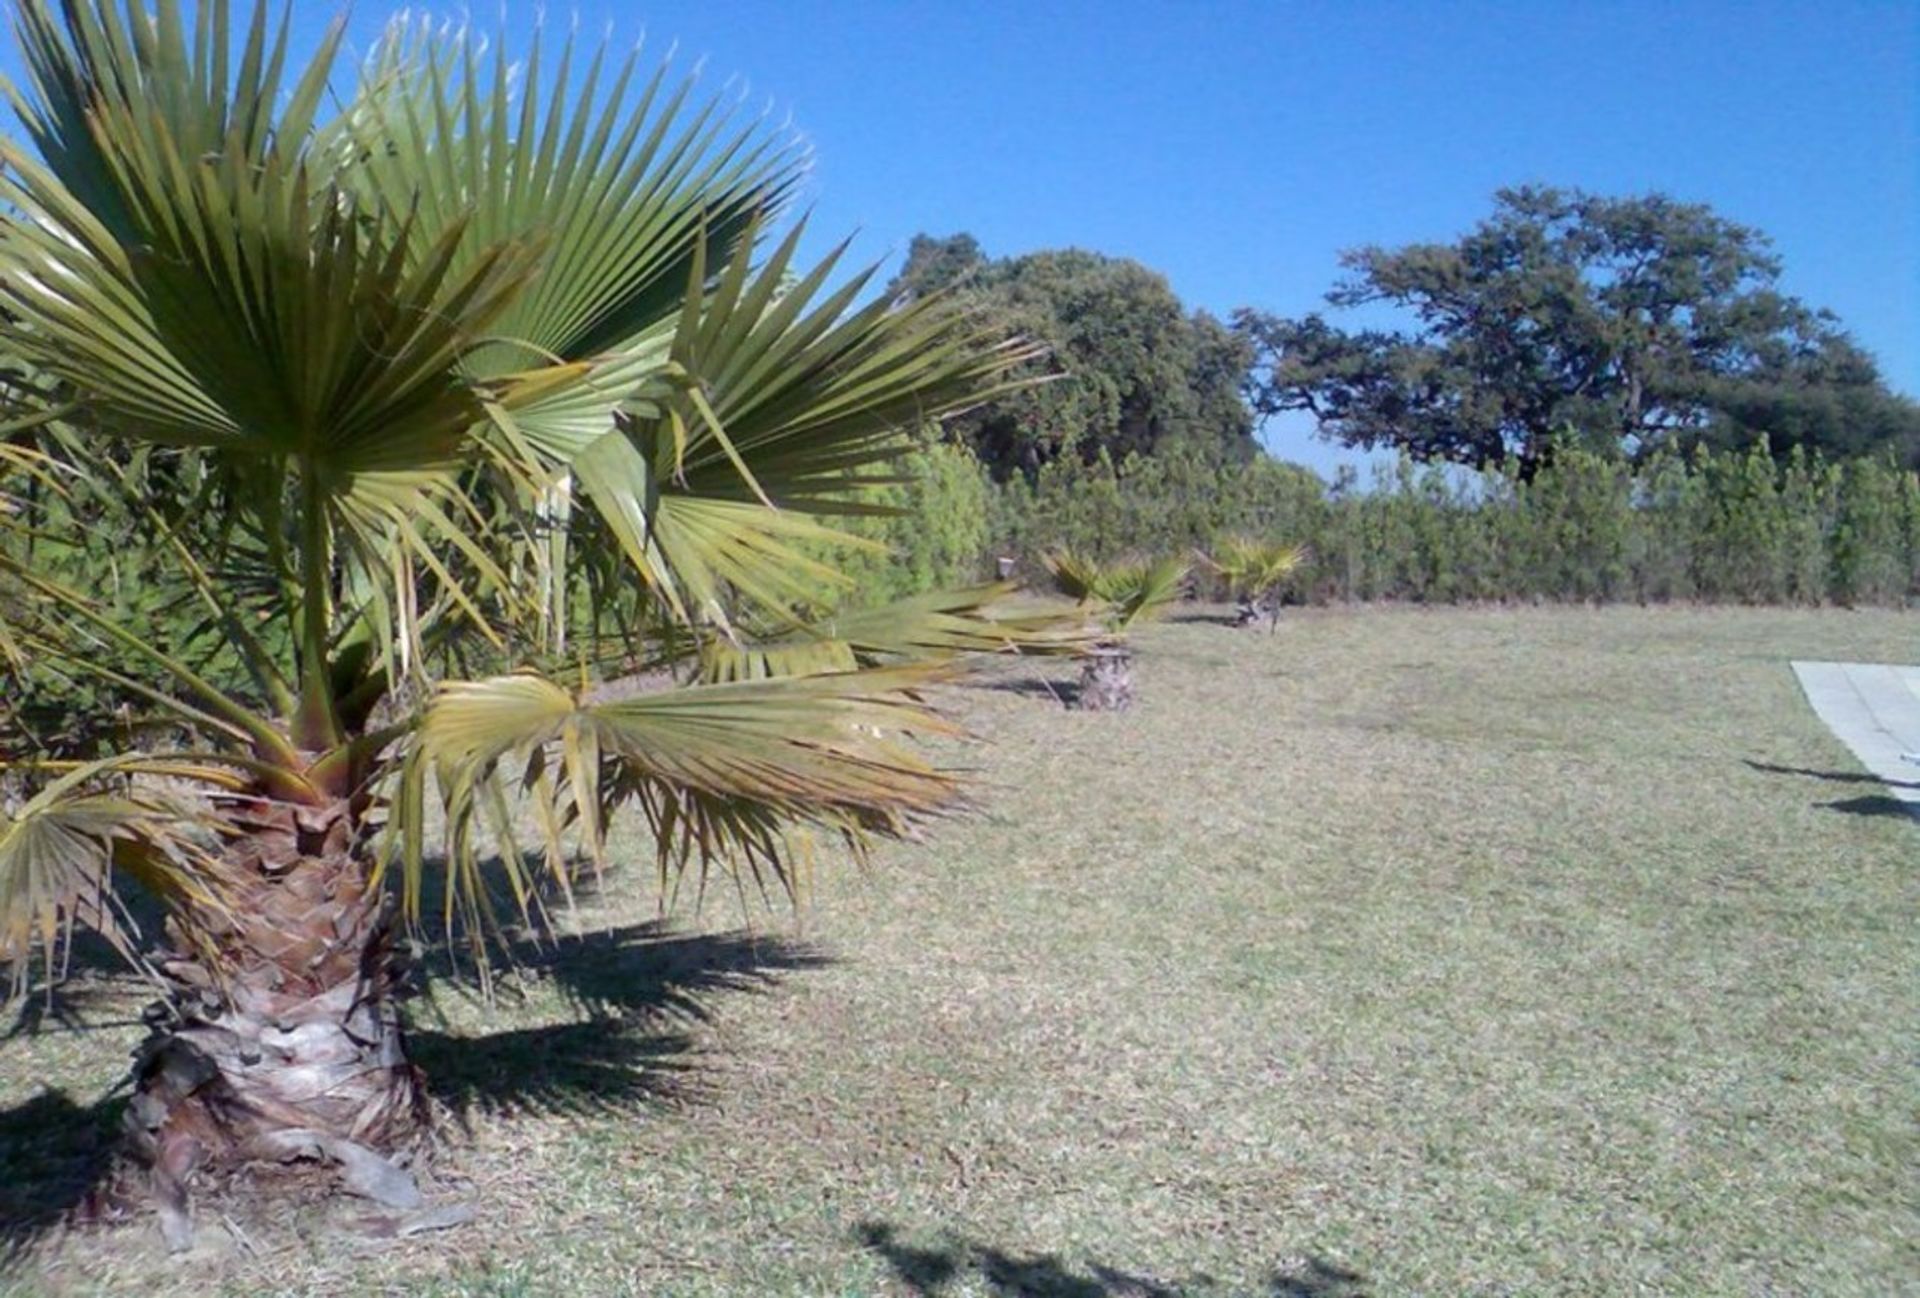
(1401, 952)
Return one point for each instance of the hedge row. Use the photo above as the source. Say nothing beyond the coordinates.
(1738, 526)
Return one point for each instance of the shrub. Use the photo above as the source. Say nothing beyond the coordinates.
(1734, 526)
(937, 539)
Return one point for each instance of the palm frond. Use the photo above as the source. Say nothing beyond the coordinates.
(984, 619)
(199, 280)
(1253, 567)
(792, 378)
(1142, 592)
(1125, 593)
(58, 853)
(1074, 575)
(775, 393)
(624, 179)
(731, 775)
(187, 263)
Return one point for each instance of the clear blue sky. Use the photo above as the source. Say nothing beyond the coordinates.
(1238, 147)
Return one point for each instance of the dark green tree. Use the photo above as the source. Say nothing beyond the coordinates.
(1135, 369)
(1615, 323)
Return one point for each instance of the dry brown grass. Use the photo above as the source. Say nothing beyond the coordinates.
(1545, 951)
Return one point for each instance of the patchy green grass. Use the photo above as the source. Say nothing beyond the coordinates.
(1524, 952)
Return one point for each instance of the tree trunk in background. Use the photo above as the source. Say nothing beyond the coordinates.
(1106, 680)
(281, 1043)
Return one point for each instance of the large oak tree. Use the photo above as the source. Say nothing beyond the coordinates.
(1625, 323)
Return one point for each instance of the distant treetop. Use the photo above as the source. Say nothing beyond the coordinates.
(1137, 370)
(1622, 323)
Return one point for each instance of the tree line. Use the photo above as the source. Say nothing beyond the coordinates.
(1626, 326)
(1733, 526)
(1736, 526)
(1591, 398)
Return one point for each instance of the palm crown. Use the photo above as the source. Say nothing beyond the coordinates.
(486, 364)
(1255, 570)
(1124, 592)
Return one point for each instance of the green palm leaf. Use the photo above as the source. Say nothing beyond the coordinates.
(1253, 567)
(985, 619)
(58, 852)
(730, 774)
(1125, 593)
(202, 281)
(383, 395)
(625, 181)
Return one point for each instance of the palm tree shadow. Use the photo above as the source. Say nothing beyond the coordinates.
(1064, 692)
(632, 994)
(58, 1153)
(928, 1272)
(96, 1003)
(1837, 777)
(1874, 804)
(567, 1069)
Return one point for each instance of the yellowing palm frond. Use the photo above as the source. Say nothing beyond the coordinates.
(1253, 567)
(390, 396)
(730, 774)
(985, 619)
(59, 850)
(1126, 593)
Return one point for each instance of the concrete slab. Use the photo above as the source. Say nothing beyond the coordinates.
(1875, 710)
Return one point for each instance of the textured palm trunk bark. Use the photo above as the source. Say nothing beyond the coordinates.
(282, 1040)
(1106, 680)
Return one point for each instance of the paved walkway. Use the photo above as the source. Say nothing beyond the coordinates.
(1875, 709)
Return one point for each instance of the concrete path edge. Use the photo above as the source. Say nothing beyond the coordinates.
(1874, 708)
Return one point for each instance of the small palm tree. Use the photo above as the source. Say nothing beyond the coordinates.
(1256, 574)
(1121, 596)
(433, 413)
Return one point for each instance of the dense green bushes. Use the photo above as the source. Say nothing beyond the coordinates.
(1727, 527)
(939, 538)
(1175, 500)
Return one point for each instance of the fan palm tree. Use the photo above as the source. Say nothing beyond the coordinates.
(1256, 572)
(438, 399)
(1120, 595)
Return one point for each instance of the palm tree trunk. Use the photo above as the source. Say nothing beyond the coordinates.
(1106, 680)
(281, 1042)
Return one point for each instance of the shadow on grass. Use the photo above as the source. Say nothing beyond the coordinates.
(1867, 804)
(929, 1272)
(96, 1005)
(1838, 777)
(56, 1152)
(1873, 804)
(1065, 693)
(633, 991)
